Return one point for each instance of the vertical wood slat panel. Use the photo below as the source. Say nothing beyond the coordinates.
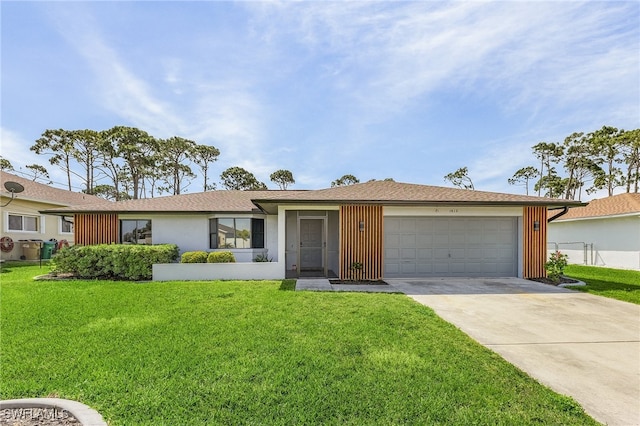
(91, 229)
(364, 246)
(535, 242)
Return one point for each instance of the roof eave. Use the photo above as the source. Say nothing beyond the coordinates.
(555, 203)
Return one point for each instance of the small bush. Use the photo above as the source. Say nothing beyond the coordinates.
(263, 258)
(194, 257)
(221, 257)
(555, 266)
(113, 261)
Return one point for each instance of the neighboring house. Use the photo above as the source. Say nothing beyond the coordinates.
(606, 232)
(392, 229)
(21, 218)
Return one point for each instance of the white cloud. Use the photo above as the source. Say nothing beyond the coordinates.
(534, 54)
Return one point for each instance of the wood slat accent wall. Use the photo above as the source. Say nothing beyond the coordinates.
(91, 229)
(361, 246)
(535, 242)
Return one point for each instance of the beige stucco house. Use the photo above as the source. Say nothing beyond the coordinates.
(21, 220)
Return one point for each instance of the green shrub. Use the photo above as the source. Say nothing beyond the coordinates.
(221, 257)
(555, 266)
(113, 261)
(194, 257)
(263, 258)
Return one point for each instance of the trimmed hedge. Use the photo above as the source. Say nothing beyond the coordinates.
(194, 257)
(221, 257)
(113, 261)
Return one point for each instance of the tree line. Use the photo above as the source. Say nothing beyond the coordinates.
(128, 163)
(607, 158)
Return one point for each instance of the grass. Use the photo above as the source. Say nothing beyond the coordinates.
(614, 283)
(232, 352)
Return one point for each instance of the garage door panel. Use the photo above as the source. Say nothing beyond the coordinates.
(441, 254)
(392, 240)
(392, 254)
(392, 268)
(407, 240)
(425, 254)
(408, 225)
(450, 246)
(408, 268)
(408, 254)
(423, 240)
(457, 254)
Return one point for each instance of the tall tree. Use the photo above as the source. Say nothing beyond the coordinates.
(5, 165)
(237, 178)
(345, 180)
(523, 176)
(630, 149)
(605, 144)
(135, 148)
(86, 145)
(460, 178)
(551, 185)
(548, 153)
(283, 178)
(59, 145)
(36, 171)
(204, 156)
(110, 164)
(172, 156)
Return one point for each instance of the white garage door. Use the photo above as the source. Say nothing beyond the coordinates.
(450, 246)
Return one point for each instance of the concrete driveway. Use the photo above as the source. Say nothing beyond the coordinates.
(584, 346)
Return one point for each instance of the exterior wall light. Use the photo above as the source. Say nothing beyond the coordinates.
(536, 225)
(361, 226)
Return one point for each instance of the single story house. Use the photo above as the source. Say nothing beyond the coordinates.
(22, 221)
(373, 230)
(606, 232)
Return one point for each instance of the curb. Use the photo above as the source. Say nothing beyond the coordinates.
(86, 415)
(578, 283)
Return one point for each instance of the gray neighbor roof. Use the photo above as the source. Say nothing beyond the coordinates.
(374, 192)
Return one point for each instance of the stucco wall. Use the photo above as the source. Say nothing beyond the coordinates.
(616, 241)
(191, 233)
(218, 271)
(50, 226)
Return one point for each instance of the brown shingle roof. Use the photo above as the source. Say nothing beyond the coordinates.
(621, 204)
(385, 192)
(40, 192)
(201, 202)
(397, 192)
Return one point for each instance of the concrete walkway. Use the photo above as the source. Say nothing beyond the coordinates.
(584, 346)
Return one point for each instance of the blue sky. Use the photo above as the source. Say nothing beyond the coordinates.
(407, 90)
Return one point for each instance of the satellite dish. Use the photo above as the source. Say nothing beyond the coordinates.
(13, 187)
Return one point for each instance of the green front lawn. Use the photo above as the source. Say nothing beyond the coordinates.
(232, 352)
(615, 283)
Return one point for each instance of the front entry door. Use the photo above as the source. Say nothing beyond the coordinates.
(312, 246)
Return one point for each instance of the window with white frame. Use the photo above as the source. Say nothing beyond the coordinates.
(26, 223)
